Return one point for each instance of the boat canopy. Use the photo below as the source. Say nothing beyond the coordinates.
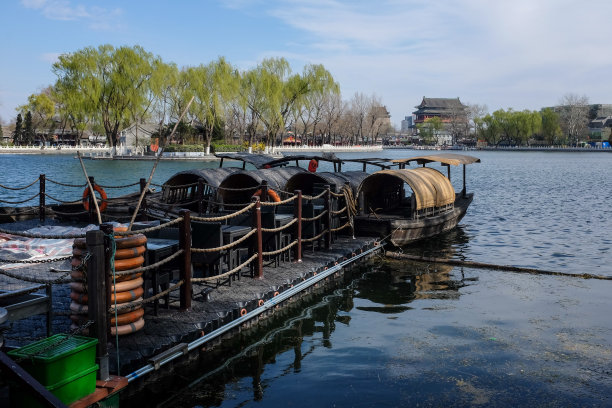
(431, 188)
(444, 158)
(239, 187)
(260, 161)
(313, 183)
(183, 186)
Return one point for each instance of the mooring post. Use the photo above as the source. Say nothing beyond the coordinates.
(92, 206)
(200, 196)
(257, 244)
(185, 271)
(328, 208)
(41, 198)
(97, 300)
(297, 208)
(143, 185)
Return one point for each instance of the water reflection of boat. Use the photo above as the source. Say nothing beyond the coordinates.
(433, 206)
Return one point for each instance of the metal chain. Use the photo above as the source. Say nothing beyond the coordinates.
(62, 201)
(125, 186)
(20, 202)
(33, 280)
(31, 235)
(66, 185)
(20, 188)
(35, 261)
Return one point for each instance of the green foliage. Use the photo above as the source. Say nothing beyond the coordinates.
(108, 84)
(224, 147)
(430, 129)
(551, 128)
(509, 127)
(28, 129)
(18, 132)
(185, 148)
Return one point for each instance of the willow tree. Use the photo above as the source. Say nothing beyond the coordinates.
(213, 86)
(109, 84)
(551, 129)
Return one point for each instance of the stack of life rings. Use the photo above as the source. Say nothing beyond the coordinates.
(128, 288)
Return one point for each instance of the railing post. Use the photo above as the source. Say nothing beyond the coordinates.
(41, 198)
(143, 185)
(200, 196)
(185, 271)
(328, 208)
(98, 298)
(257, 244)
(92, 206)
(297, 208)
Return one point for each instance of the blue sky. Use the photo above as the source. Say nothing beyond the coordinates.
(520, 54)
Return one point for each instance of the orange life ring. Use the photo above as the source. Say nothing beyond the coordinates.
(130, 241)
(243, 312)
(128, 328)
(128, 263)
(129, 252)
(127, 318)
(260, 303)
(131, 276)
(271, 193)
(100, 191)
(128, 285)
(127, 296)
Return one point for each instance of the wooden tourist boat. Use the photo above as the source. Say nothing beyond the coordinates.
(429, 206)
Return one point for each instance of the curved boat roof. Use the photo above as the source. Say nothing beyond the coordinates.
(444, 158)
(431, 188)
(238, 187)
(260, 161)
(212, 177)
(306, 181)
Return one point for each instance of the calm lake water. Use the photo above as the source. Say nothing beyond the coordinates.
(404, 334)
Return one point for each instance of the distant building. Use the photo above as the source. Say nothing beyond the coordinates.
(137, 135)
(383, 118)
(444, 108)
(600, 129)
(407, 124)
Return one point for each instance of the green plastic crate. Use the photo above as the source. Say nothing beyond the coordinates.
(68, 390)
(52, 364)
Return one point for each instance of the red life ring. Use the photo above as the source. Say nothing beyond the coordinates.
(312, 165)
(100, 191)
(271, 193)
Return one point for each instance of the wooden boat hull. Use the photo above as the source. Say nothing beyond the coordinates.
(402, 230)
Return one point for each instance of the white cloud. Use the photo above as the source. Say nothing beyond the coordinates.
(519, 53)
(97, 18)
(50, 57)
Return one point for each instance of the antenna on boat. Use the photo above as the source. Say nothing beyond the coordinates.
(161, 152)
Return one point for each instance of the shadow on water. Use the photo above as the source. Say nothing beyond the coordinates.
(300, 330)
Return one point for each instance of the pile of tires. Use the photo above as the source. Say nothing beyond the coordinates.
(129, 254)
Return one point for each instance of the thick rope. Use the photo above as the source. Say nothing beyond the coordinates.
(152, 266)
(278, 251)
(31, 235)
(225, 217)
(320, 195)
(20, 188)
(282, 227)
(35, 280)
(339, 211)
(228, 273)
(316, 217)
(136, 304)
(20, 202)
(224, 247)
(471, 264)
(315, 237)
(348, 224)
(272, 203)
(150, 229)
